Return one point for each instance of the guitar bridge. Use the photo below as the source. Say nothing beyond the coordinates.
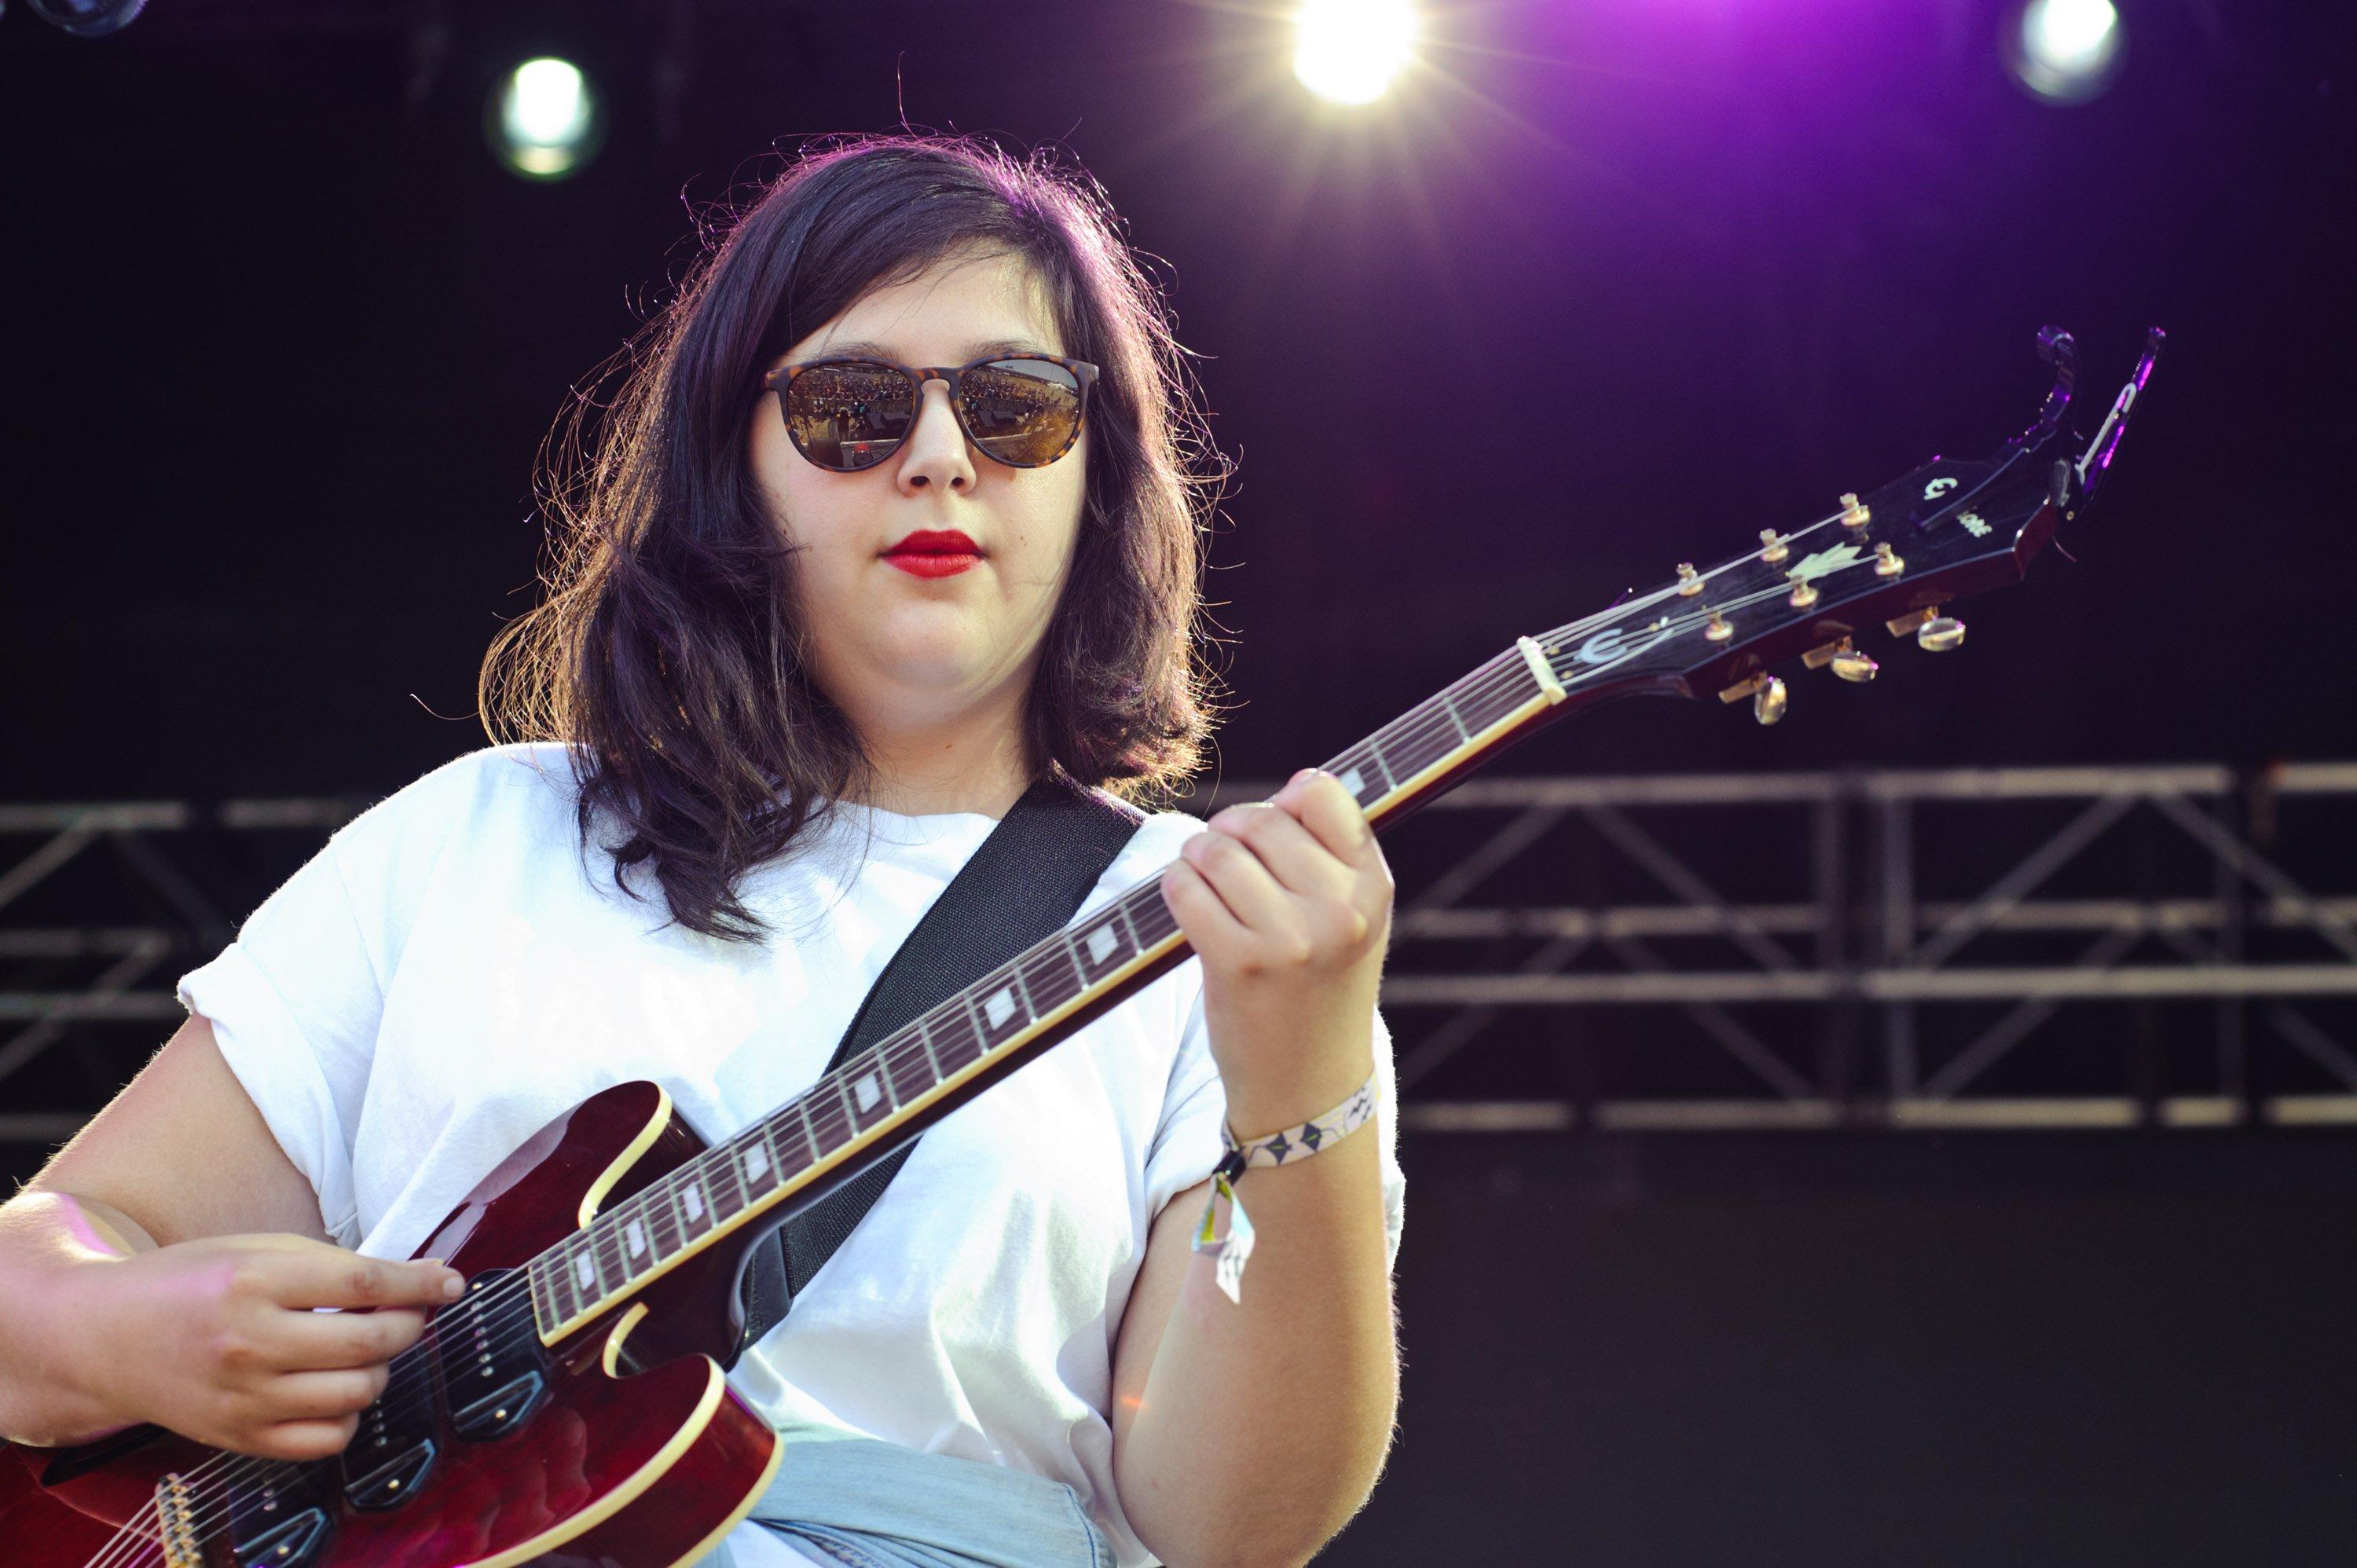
(176, 1524)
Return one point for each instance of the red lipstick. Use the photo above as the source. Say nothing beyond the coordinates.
(934, 553)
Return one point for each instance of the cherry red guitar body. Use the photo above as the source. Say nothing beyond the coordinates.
(623, 1447)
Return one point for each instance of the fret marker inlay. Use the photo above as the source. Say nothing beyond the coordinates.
(585, 1272)
(693, 1198)
(1101, 944)
(635, 1234)
(865, 1091)
(1354, 782)
(1000, 1007)
(757, 1160)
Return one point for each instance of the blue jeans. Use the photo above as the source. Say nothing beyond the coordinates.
(867, 1504)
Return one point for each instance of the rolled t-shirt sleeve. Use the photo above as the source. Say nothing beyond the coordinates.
(295, 1004)
(1186, 1145)
(1186, 1141)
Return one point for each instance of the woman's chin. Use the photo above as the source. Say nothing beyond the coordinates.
(946, 662)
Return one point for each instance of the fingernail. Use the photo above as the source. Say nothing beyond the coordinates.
(452, 1286)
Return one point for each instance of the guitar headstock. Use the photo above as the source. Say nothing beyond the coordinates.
(1895, 556)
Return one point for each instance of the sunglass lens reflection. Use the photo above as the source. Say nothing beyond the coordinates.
(1022, 412)
(849, 416)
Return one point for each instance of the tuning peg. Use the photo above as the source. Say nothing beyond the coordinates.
(1940, 634)
(1766, 694)
(1818, 658)
(1855, 513)
(1689, 580)
(1885, 563)
(1847, 662)
(1901, 624)
(1774, 543)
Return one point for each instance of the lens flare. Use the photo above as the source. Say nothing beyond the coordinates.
(545, 120)
(1353, 50)
(2065, 51)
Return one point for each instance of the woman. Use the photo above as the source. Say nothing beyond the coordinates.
(798, 657)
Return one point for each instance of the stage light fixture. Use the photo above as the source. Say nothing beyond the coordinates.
(2065, 51)
(87, 18)
(544, 119)
(1351, 50)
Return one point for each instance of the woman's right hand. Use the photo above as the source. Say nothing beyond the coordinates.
(216, 1338)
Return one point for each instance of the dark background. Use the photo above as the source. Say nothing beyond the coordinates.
(282, 339)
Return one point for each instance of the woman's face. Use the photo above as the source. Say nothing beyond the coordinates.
(891, 646)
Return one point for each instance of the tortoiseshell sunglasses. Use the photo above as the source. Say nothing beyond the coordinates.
(845, 415)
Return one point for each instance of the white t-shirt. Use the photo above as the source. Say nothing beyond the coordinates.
(447, 976)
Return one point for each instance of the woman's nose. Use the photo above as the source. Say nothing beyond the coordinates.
(935, 453)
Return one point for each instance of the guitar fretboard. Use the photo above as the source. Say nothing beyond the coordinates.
(674, 1215)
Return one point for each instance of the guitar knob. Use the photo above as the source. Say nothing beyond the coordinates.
(1768, 703)
(1853, 665)
(1940, 634)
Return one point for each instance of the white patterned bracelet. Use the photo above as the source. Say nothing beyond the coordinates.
(1294, 1144)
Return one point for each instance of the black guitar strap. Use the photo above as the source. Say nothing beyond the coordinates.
(1024, 884)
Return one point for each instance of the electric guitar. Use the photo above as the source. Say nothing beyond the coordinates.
(569, 1409)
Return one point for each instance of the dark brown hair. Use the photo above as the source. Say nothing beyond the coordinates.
(668, 654)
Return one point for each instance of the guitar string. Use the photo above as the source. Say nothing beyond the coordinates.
(1493, 684)
(120, 1552)
(829, 1122)
(215, 1482)
(222, 1474)
(1496, 683)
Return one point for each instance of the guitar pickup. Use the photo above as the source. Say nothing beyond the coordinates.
(501, 1411)
(292, 1543)
(393, 1483)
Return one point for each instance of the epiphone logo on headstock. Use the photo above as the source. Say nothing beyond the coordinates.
(1617, 642)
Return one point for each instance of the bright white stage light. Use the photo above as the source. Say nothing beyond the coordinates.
(2065, 51)
(545, 120)
(1350, 50)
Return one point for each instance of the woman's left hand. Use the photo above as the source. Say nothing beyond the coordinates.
(1289, 903)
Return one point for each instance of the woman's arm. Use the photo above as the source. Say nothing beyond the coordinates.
(1248, 1432)
(164, 1267)
(1251, 1431)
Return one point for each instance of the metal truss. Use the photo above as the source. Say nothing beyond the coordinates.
(162, 917)
(1862, 1003)
(1870, 962)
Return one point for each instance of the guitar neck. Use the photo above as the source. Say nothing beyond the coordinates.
(887, 1094)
